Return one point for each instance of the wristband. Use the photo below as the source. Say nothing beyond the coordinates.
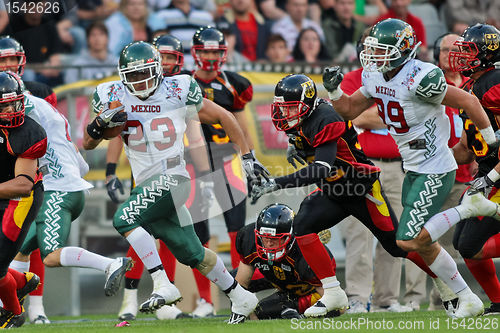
(336, 94)
(94, 130)
(110, 169)
(493, 175)
(488, 135)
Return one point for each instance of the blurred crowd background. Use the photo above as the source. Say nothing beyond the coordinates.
(69, 40)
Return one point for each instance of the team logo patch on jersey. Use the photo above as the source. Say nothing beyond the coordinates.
(209, 93)
(173, 89)
(308, 89)
(491, 41)
(113, 92)
(278, 272)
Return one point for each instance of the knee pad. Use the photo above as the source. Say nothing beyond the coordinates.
(202, 231)
(467, 252)
(208, 262)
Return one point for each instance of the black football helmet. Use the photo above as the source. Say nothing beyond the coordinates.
(168, 44)
(479, 49)
(10, 47)
(295, 97)
(274, 225)
(11, 100)
(208, 39)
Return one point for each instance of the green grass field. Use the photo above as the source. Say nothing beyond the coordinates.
(421, 321)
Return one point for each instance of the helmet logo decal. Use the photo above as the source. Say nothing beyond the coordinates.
(406, 38)
(135, 63)
(308, 89)
(211, 44)
(166, 48)
(9, 95)
(268, 231)
(491, 41)
(8, 52)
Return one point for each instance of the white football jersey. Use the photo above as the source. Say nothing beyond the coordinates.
(155, 127)
(410, 104)
(62, 165)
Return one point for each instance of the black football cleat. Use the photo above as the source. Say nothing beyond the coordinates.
(493, 310)
(236, 318)
(32, 283)
(10, 320)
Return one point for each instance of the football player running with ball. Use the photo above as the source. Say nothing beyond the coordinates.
(409, 95)
(157, 109)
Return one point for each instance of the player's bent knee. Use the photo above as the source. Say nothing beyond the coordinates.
(467, 252)
(52, 259)
(407, 245)
(208, 263)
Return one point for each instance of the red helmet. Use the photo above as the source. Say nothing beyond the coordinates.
(294, 99)
(168, 44)
(10, 47)
(11, 100)
(209, 39)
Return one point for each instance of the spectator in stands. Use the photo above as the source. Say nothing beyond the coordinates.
(276, 49)
(368, 19)
(276, 9)
(399, 10)
(290, 25)
(92, 10)
(309, 48)
(182, 20)
(4, 17)
(233, 57)
(41, 43)
(342, 30)
(461, 13)
(250, 28)
(97, 54)
(131, 23)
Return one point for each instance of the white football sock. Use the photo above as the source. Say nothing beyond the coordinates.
(78, 257)
(330, 282)
(145, 247)
(36, 308)
(220, 276)
(440, 223)
(446, 269)
(445, 292)
(20, 266)
(160, 279)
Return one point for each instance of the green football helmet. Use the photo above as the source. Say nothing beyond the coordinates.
(391, 44)
(140, 68)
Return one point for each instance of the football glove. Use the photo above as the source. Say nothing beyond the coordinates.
(113, 186)
(253, 168)
(258, 190)
(293, 155)
(111, 117)
(332, 76)
(485, 183)
(207, 195)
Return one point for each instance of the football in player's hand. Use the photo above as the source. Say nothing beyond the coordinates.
(112, 132)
